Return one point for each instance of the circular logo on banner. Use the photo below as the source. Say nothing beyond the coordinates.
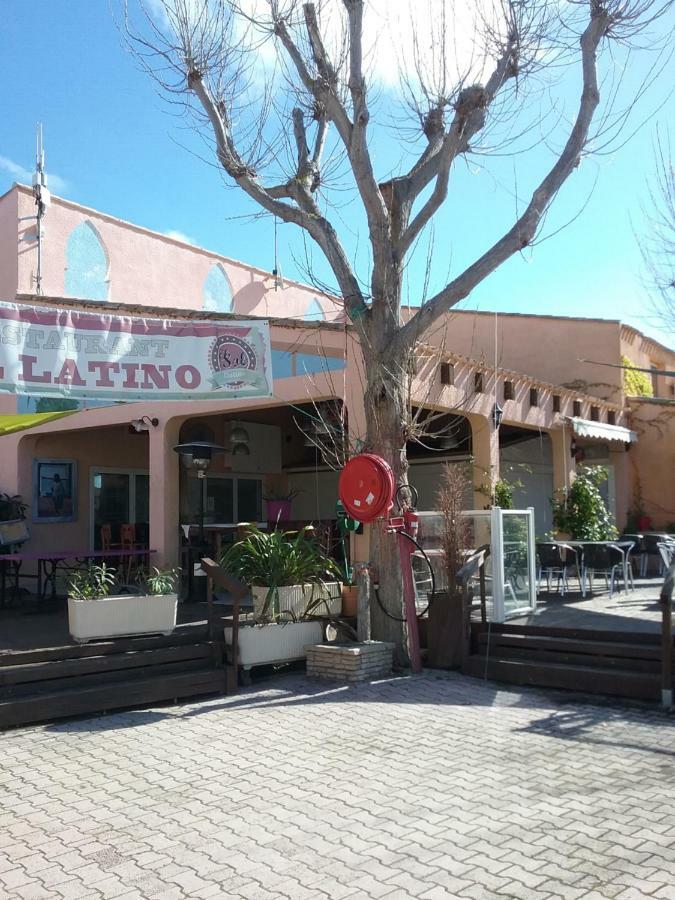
(232, 356)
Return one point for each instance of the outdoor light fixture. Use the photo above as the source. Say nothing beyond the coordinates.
(448, 441)
(241, 450)
(198, 455)
(136, 426)
(239, 435)
(497, 415)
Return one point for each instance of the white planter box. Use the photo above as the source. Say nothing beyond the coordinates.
(264, 644)
(125, 614)
(295, 597)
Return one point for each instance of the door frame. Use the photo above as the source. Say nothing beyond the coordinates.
(112, 470)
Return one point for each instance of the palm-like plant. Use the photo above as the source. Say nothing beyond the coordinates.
(275, 559)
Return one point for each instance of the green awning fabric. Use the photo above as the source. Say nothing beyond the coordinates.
(19, 421)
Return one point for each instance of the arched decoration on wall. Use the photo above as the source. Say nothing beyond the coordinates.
(217, 291)
(87, 264)
(315, 312)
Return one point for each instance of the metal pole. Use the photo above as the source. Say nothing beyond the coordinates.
(405, 550)
(200, 476)
(666, 599)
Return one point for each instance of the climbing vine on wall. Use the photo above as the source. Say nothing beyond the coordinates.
(636, 383)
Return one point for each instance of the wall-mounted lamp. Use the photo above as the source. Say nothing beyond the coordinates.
(497, 415)
(136, 426)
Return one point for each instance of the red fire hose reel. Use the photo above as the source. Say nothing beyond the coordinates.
(367, 487)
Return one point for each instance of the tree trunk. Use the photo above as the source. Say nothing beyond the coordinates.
(386, 407)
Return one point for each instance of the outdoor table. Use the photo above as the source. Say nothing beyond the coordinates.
(624, 547)
(51, 562)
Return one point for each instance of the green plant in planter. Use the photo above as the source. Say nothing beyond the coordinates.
(581, 510)
(162, 581)
(503, 494)
(275, 559)
(277, 494)
(11, 507)
(92, 583)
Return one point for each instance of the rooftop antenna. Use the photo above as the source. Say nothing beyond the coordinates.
(276, 271)
(42, 202)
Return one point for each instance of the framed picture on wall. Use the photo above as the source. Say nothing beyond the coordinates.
(54, 490)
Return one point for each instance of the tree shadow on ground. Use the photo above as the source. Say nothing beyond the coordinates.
(565, 715)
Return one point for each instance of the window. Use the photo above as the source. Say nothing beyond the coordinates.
(611, 417)
(87, 275)
(217, 291)
(508, 390)
(314, 312)
(227, 500)
(556, 403)
(447, 373)
(534, 397)
(576, 408)
(286, 364)
(595, 413)
(478, 382)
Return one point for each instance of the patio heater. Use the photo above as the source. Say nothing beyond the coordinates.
(197, 456)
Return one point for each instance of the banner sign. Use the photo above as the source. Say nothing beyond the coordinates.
(66, 353)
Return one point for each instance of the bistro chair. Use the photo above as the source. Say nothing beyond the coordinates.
(608, 559)
(639, 555)
(106, 537)
(554, 562)
(667, 552)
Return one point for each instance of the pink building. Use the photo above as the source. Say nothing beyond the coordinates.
(556, 379)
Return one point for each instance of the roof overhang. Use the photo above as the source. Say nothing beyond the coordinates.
(589, 429)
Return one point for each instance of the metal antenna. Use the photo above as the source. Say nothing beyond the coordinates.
(276, 271)
(42, 202)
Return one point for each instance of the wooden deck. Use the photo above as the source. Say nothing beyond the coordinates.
(599, 645)
(44, 675)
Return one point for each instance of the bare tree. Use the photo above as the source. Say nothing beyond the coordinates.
(290, 126)
(658, 243)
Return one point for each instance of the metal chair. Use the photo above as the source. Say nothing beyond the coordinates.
(607, 559)
(554, 561)
(667, 552)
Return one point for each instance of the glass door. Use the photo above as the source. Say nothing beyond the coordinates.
(518, 562)
(118, 497)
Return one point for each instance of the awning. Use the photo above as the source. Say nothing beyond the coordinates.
(588, 428)
(19, 421)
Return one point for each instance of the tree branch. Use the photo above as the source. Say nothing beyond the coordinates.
(308, 217)
(470, 116)
(523, 231)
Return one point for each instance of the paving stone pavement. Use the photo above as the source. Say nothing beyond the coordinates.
(431, 787)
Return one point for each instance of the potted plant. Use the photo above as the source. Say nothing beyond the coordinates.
(580, 511)
(292, 580)
(445, 627)
(13, 528)
(94, 612)
(279, 504)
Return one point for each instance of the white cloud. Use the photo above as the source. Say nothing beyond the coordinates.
(55, 183)
(179, 236)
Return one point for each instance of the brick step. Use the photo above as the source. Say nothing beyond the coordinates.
(586, 679)
(138, 691)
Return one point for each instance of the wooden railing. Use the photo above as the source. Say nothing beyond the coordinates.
(218, 577)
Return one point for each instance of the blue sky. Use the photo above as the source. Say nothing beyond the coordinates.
(115, 146)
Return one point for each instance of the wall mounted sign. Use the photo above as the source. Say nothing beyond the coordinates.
(66, 353)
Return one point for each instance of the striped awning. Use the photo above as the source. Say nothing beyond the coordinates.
(601, 430)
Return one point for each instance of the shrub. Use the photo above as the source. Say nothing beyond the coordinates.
(581, 510)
